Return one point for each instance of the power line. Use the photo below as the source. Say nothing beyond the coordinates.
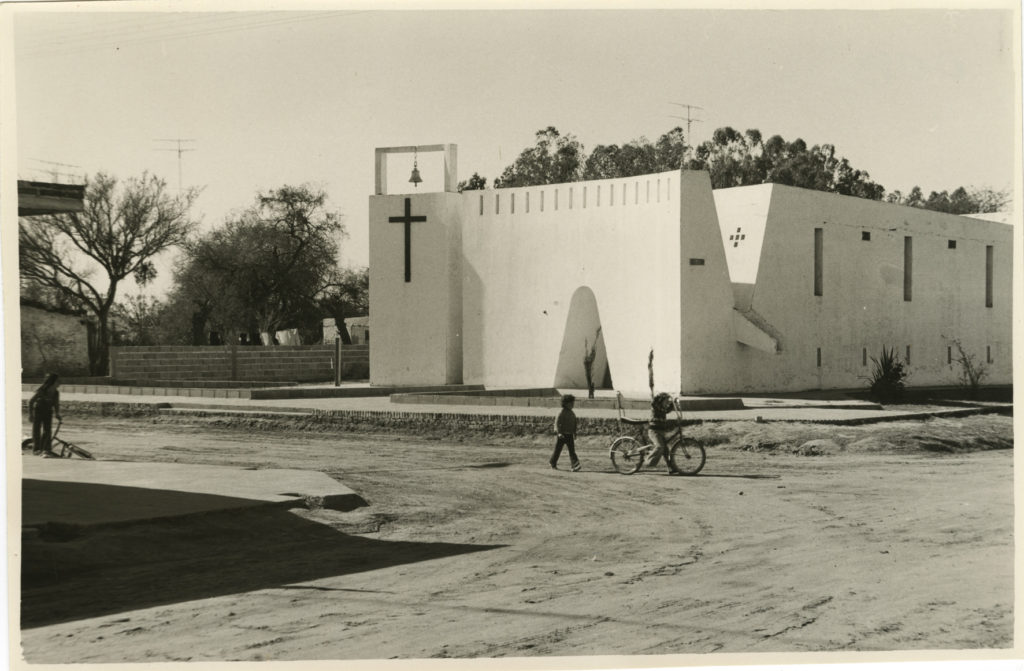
(179, 27)
(180, 149)
(55, 171)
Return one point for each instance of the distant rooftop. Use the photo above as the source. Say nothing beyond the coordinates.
(35, 198)
(999, 217)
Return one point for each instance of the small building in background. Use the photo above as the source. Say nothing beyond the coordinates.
(53, 341)
(358, 329)
(38, 198)
(330, 330)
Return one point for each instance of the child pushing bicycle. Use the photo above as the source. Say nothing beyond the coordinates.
(648, 440)
(43, 405)
(656, 428)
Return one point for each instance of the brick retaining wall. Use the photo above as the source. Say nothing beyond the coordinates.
(292, 363)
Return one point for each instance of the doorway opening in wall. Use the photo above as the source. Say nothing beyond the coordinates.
(583, 359)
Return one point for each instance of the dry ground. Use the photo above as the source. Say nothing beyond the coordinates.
(890, 537)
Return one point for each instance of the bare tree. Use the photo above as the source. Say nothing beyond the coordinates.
(85, 256)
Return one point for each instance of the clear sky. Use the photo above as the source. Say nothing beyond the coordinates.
(915, 97)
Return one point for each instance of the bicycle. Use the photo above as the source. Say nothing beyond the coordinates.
(630, 452)
(67, 448)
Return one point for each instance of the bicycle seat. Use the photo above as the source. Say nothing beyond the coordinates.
(635, 422)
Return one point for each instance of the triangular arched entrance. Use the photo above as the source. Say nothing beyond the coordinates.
(582, 334)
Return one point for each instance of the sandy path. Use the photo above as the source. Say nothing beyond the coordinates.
(470, 550)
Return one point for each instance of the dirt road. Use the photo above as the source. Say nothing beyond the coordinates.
(475, 548)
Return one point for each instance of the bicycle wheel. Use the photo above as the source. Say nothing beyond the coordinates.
(688, 457)
(627, 455)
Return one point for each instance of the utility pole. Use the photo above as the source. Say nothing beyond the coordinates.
(688, 119)
(180, 149)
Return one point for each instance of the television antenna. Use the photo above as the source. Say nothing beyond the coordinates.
(181, 148)
(688, 118)
(55, 170)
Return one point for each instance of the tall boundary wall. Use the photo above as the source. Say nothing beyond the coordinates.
(287, 363)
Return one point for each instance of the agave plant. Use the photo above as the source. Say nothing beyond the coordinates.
(887, 375)
(588, 361)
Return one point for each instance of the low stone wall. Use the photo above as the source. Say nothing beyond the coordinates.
(102, 409)
(291, 363)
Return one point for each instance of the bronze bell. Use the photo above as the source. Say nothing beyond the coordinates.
(415, 179)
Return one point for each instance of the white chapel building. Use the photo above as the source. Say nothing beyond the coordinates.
(762, 288)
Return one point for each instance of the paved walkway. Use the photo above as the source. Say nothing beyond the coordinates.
(766, 409)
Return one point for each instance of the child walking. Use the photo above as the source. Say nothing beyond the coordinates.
(565, 427)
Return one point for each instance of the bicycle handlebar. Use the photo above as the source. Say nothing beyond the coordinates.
(676, 404)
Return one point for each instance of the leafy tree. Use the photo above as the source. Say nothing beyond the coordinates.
(266, 269)
(914, 199)
(348, 295)
(639, 157)
(733, 159)
(736, 159)
(473, 183)
(554, 159)
(135, 320)
(670, 150)
(82, 257)
(989, 200)
(959, 201)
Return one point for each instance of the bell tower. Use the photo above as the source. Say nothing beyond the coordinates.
(416, 277)
(451, 171)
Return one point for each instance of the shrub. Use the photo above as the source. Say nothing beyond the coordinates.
(970, 372)
(887, 376)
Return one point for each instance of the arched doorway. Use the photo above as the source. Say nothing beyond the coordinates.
(582, 336)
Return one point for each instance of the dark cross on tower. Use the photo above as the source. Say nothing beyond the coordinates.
(737, 237)
(407, 219)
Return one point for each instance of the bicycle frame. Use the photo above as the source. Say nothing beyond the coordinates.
(68, 449)
(632, 446)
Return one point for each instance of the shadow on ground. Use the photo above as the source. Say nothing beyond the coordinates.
(71, 573)
(50, 504)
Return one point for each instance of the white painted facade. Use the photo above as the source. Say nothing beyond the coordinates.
(508, 287)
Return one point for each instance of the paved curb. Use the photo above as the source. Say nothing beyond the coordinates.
(381, 413)
(541, 423)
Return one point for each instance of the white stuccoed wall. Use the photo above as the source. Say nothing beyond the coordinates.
(863, 305)
(707, 342)
(416, 325)
(507, 284)
(522, 269)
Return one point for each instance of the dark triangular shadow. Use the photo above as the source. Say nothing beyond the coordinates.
(90, 571)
